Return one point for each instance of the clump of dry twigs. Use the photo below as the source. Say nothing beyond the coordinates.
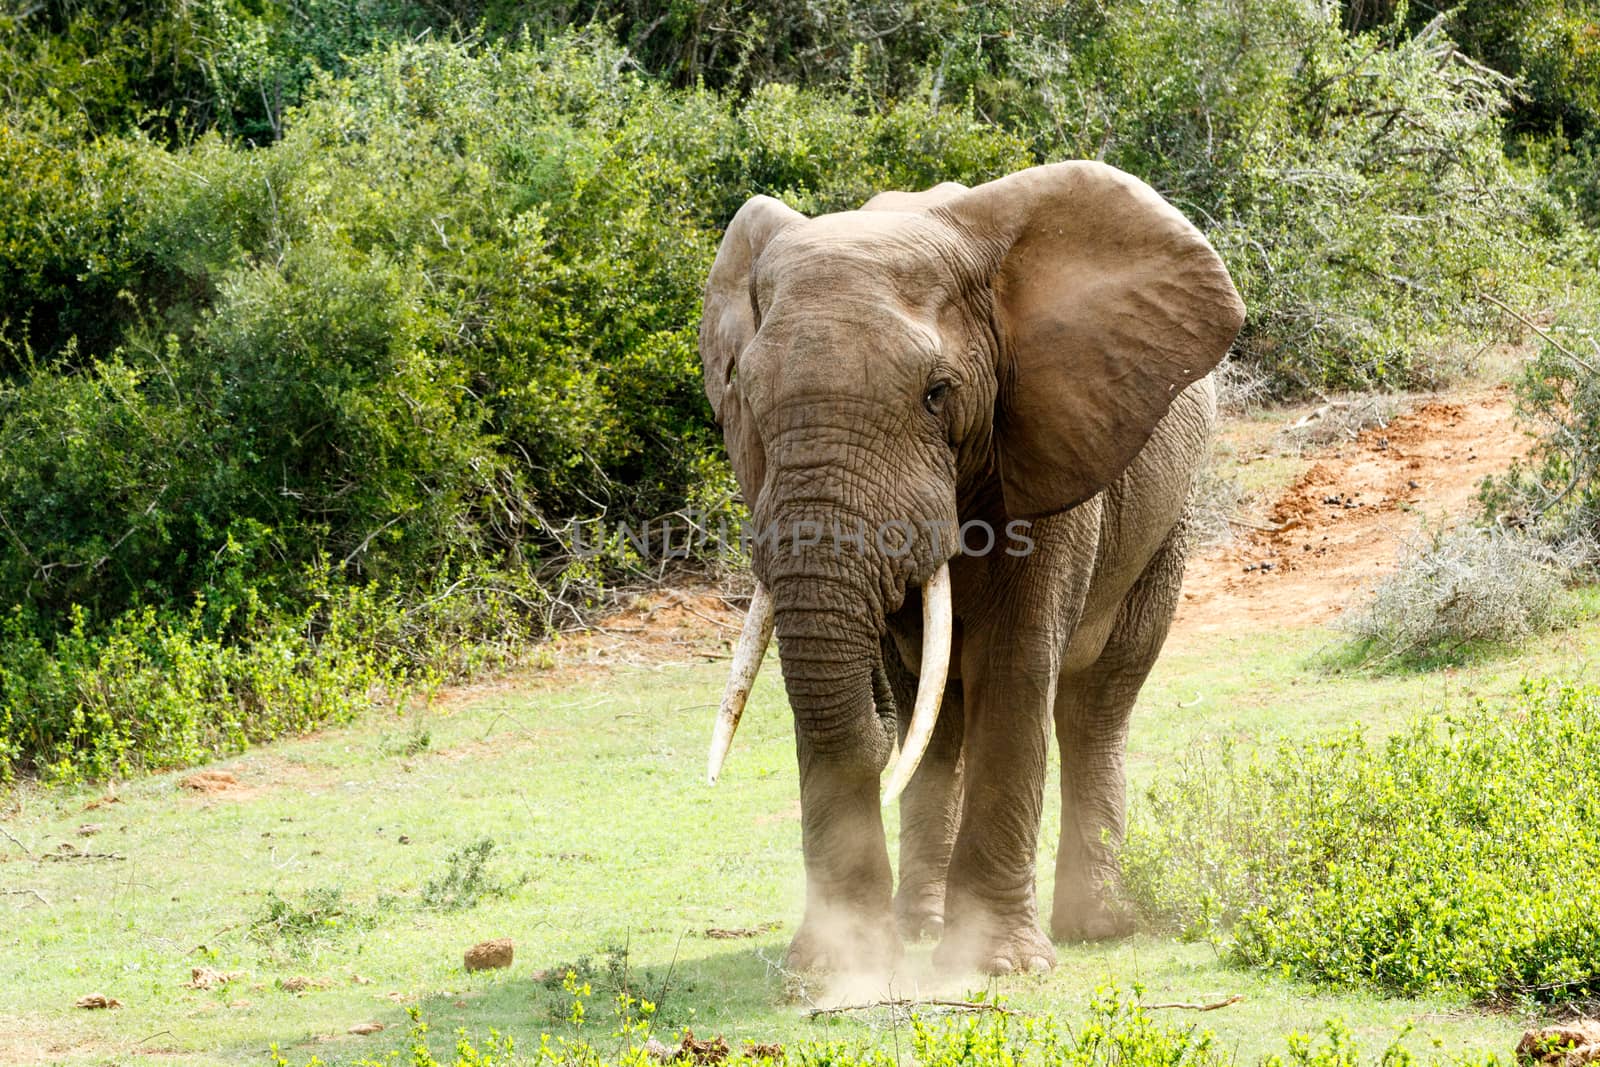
(1340, 420)
(1459, 587)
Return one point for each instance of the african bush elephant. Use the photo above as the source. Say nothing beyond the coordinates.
(1028, 358)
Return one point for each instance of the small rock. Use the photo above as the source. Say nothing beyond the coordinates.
(404, 840)
(365, 1028)
(97, 1000)
(489, 955)
(89, 829)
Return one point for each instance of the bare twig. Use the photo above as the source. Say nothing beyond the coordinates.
(902, 1004)
(715, 622)
(666, 983)
(25, 893)
(70, 853)
(1530, 324)
(13, 839)
(1196, 1007)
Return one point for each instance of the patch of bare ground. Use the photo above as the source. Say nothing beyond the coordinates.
(1338, 526)
(693, 623)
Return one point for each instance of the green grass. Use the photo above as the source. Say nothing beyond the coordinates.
(604, 837)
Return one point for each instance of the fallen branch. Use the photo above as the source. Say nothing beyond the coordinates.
(25, 893)
(69, 853)
(12, 838)
(1251, 524)
(1196, 1007)
(681, 603)
(899, 1004)
(1530, 324)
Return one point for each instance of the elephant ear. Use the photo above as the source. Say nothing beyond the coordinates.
(1107, 303)
(727, 323)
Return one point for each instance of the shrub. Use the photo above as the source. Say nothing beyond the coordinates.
(1555, 495)
(465, 880)
(320, 914)
(1455, 589)
(154, 689)
(1456, 857)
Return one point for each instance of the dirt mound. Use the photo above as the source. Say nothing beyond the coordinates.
(1339, 525)
(205, 782)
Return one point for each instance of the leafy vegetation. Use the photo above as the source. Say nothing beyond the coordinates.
(465, 879)
(339, 319)
(1456, 857)
(321, 913)
(1555, 496)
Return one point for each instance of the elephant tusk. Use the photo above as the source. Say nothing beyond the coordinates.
(937, 623)
(747, 656)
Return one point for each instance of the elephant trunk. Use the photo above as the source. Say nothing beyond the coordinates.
(829, 647)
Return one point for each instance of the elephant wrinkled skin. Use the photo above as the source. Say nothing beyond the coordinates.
(941, 364)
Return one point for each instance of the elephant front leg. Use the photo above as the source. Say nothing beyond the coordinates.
(849, 925)
(991, 906)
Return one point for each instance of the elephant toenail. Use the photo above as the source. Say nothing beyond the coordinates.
(1038, 963)
(1000, 965)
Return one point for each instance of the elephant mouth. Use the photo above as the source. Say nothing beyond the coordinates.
(937, 627)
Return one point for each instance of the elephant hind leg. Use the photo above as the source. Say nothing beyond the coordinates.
(930, 808)
(1092, 710)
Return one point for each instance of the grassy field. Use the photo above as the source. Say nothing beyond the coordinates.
(322, 879)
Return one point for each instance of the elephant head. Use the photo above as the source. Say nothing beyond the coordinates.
(885, 370)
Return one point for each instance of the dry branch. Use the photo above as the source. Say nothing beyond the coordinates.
(25, 893)
(1213, 1006)
(901, 1004)
(13, 839)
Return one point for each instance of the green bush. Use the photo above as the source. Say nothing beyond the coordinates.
(311, 295)
(1457, 857)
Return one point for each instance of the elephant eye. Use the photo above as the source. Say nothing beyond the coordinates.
(934, 398)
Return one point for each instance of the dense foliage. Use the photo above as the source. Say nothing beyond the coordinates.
(333, 318)
(1458, 856)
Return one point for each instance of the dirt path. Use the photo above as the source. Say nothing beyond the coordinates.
(1340, 524)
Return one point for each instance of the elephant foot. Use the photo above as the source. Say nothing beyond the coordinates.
(1023, 950)
(1080, 917)
(920, 914)
(995, 943)
(844, 945)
